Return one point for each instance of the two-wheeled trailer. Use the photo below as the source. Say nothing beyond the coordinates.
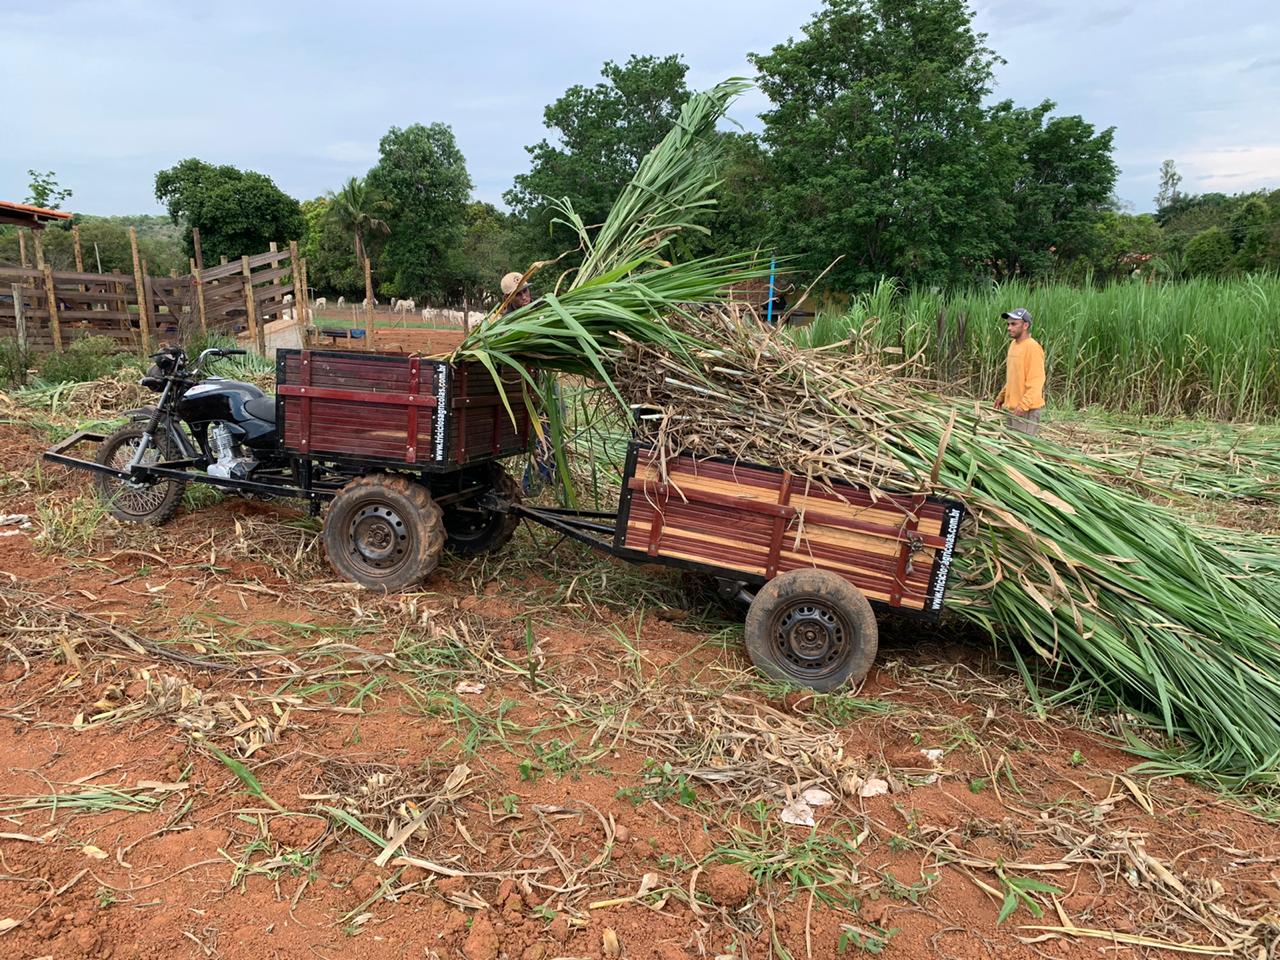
(405, 451)
(810, 558)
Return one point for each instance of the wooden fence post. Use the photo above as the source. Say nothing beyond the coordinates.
(140, 294)
(369, 305)
(22, 247)
(306, 307)
(35, 238)
(255, 332)
(195, 242)
(199, 284)
(295, 266)
(55, 328)
(75, 241)
(276, 295)
(19, 320)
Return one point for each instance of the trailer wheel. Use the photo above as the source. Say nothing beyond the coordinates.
(151, 503)
(383, 532)
(473, 531)
(812, 628)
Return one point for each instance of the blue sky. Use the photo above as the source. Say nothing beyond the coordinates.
(107, 93)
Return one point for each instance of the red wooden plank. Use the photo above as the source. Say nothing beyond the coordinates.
(356, 396)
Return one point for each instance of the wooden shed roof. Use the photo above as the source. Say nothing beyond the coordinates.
(25, 215)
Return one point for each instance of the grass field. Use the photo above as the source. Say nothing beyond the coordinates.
(1207, 348)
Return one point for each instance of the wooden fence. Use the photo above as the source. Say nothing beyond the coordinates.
(46, 310)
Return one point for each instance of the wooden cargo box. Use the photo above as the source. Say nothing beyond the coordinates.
(395, 409)
(754, 522)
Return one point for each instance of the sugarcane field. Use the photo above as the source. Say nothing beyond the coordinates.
(806, 509)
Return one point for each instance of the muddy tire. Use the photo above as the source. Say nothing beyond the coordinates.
(383, 532)
(150, 503)
(811, 628)
(471, 532)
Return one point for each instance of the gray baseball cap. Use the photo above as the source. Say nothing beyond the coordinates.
(1017, 313)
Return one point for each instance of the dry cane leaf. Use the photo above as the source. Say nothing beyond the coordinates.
(609, 943)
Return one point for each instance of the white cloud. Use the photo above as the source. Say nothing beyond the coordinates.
(1231, 169)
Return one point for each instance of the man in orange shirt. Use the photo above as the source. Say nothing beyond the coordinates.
(1022, 398)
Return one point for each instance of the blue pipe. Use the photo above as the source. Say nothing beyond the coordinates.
(773, 270)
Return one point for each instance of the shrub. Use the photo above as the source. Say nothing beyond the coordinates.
(88, 358)
(13, 363)
(1209, 253)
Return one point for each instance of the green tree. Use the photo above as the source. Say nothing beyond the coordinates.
(875, 140)
(741, 219)
(43, 190)
(1209, 253)
(1170, 178)
(358, 212)
(327, 249)
(423, 177)
(488, 250)
(1054, 179)
(1123, 242)
(238, 212)
(601, 133)
(105, 242)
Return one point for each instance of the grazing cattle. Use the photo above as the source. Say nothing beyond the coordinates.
(342, 301)
(321, 303)
(405, 306)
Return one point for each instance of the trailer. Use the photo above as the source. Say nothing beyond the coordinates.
(404, 453)
(809, 557)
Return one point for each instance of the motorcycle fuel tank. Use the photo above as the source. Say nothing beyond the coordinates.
(233, 402)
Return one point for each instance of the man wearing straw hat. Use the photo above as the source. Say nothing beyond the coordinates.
(1022, 398)
(513, 283)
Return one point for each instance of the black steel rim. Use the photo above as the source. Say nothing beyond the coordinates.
(468, 525)
(138, 499)
(380, 538)
(811, 638)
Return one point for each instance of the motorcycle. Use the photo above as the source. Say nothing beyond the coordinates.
(226, 428)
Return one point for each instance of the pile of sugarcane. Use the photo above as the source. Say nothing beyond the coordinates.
(1129, 604)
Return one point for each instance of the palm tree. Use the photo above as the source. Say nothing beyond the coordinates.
(354, 209)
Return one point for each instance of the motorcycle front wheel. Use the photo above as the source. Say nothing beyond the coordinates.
(152, 503)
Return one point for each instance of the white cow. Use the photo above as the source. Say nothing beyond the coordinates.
(342, 301)
(405, 306)
(321, 303)
(288, 298)
(425, 311)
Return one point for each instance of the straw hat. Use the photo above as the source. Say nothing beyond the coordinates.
(512, 282)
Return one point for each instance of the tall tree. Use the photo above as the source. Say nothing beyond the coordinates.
(423, 177)
(43, 190)
(1054, 179)
(487, 251)
(1170, 178)
(600, 135)
(875, 138)
(238, 212)
(327, 247)
(356, 210)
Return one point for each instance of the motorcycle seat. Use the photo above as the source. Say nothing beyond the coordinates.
(261, 408)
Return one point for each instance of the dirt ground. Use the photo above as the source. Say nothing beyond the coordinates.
(206, 744)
